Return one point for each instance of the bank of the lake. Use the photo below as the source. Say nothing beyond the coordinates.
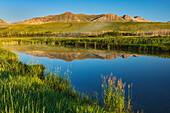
(57, 89)
(25, 89)
(154, 46)
(144, 44)
(148, 72)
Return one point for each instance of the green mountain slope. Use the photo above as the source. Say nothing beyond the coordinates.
(63, 27)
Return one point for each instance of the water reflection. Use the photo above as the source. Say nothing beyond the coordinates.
(80, 53)
(150, 75)
(80, 56)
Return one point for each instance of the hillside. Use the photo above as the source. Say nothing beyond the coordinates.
(67, 27)
(2, 22)
(70, 17)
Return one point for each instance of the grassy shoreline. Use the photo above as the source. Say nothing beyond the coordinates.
(24, 89)
(132, 43)
(152, 46)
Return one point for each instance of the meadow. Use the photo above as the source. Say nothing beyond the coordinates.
(77, 29)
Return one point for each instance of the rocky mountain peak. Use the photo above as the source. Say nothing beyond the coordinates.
(138, 17)
(126, 16)
(68, 13)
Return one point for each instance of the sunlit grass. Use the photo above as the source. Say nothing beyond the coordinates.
(85, 27)
(114, 94)
(23, 88)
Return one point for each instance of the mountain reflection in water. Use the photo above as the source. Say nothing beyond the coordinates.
(79, 56)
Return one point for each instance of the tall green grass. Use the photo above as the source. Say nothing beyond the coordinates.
(24, 89)
(114, 94)
(136, 43)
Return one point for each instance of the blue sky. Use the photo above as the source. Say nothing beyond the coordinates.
(19, 10)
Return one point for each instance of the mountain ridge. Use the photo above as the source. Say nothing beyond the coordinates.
(70, 17)
(2, 22)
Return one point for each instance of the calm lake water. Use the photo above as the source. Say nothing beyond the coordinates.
(150, 75)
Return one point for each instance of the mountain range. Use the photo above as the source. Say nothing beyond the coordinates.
(70, 17)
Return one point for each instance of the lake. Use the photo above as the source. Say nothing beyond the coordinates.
(149, 74)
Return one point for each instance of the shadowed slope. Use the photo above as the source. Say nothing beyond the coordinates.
(134, 19)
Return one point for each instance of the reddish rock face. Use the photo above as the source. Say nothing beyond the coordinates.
(2, 22)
